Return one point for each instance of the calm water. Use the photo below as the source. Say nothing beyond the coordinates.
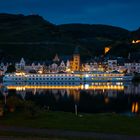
(89, 97)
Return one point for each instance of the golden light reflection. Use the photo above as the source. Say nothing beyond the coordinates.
(106, 100)
(135, 107)
(86, 87)
(75, 94)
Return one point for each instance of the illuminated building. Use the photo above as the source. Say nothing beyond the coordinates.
(132, 67)
(20, 65)
(75, 63)
(107, 49)
(135, 41)
(112, 65)
(3, 68)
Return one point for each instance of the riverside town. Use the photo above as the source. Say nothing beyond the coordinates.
(69, 70)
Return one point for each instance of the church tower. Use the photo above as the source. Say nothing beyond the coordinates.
(56, 58)
(107, 49)
(76, 60)
(22, 64)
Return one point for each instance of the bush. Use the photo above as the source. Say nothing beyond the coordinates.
(14, 102)
(31, 109)
(1, 109)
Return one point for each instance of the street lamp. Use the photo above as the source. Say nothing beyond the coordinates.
(4, 93)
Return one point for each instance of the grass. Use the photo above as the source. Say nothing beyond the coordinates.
(106, 123)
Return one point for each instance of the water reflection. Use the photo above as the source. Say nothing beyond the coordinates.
(90, 97)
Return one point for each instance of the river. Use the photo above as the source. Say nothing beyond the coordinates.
(101, 97)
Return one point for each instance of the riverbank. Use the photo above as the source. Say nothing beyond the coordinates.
(100, 123)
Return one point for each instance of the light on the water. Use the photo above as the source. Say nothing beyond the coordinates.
(86, 86)
(86, 75)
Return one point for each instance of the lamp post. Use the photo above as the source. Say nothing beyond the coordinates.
(76, 111)
(5, 93)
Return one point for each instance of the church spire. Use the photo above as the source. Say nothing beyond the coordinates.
(76, 51)
(56, 58)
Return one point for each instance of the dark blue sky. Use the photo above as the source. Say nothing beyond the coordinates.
(122, 13)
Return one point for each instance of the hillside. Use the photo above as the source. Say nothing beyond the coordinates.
(136, 34)
(82, 31)
(33, 28)
(37, 39)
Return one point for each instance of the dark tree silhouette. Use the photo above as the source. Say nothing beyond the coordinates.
(10, 69)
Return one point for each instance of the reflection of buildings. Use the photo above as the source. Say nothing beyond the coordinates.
(72, 85)
(135, 107)
(100, 95)
(107, 88)
(132, 89)
(21, 92)
(74, 93)
(72, 90)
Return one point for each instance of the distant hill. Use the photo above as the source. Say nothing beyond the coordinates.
(82, 31)
(37, 39)
(136, 34)
(31, 28)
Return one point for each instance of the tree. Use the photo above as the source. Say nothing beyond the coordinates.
(1, 109)
(14, 102)
(10, 69)
(31, 109)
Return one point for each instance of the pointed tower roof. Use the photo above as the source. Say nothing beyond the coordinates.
(68, 63)
(129, 56)
(62, 63)
(76, 51)
(56, 58)
(22, 60)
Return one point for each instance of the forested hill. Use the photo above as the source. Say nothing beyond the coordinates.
(36, 38)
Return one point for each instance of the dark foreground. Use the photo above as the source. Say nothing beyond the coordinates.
(62, 133)
(66, 126)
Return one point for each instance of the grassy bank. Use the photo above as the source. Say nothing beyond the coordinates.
(108, 123)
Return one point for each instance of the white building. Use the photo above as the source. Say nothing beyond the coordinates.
(112, 65)
(3, 68)
(62, 66)
(20, 65)
(132, 67)
(27, 68)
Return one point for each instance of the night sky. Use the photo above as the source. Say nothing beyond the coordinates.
(122, 13)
